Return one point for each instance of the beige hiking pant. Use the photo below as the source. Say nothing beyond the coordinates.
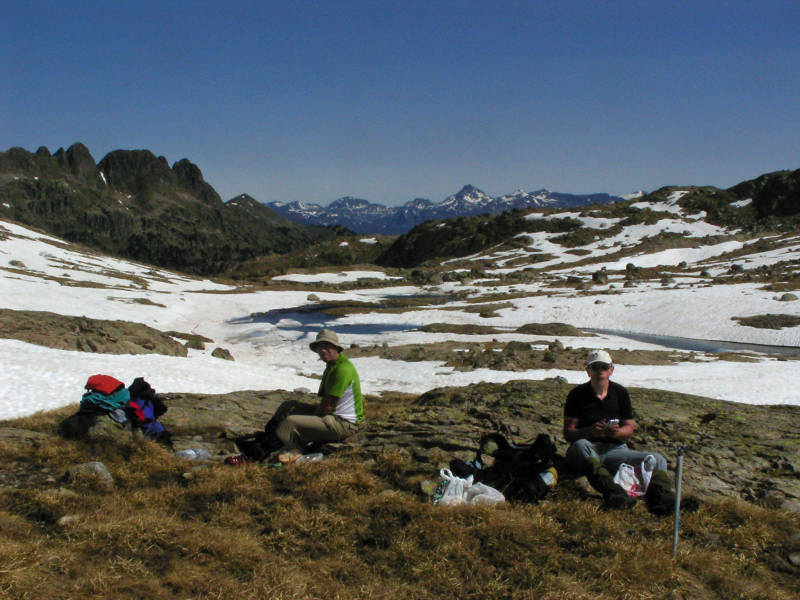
(298, 426)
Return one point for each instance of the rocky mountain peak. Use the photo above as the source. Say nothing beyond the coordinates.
(78, 160)
(245, 200)
(349, 202)
(190, 176)
(136, 171)
(418, 204)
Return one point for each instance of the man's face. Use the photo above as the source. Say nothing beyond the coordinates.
(327, 352)
(600, 372)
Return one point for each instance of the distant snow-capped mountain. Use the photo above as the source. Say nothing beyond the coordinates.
(363, 216)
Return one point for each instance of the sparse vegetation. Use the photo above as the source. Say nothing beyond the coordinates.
(515, 355)
(769, 321)
(358, 525)
(87, 335)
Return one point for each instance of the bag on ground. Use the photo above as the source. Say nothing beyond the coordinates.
(520, 472)
(459, 490)
(635, 480)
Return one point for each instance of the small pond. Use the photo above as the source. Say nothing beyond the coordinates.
(682, 343)
(312, 319)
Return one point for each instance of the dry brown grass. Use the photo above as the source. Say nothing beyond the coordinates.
(352, 527)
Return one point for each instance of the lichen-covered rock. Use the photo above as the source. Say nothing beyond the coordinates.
(87, 335)
(93, 469)
(222, 353)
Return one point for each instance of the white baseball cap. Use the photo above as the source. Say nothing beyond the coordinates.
(598, 356)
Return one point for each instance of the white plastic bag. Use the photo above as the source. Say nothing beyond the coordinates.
(480, 493)
(626, 478)
(647, 468)
(464, 491)
(635, 480)
(453, 492)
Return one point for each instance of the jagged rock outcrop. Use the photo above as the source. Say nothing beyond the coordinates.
(78, 160)
(190, 177)
(135, 205)
(136, 171)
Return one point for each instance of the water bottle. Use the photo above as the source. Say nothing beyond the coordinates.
(194, 454)
(549, 477)
(310, 457)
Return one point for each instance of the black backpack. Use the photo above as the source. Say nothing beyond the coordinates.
(257, 446)
(516, 470)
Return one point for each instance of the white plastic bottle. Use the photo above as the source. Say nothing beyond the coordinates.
(310, 457)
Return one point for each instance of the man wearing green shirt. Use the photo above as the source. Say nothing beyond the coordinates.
(338, 414)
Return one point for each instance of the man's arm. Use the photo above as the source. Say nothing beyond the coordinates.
(598, 430)
(572, 432)
(327, 404)
(621, 432)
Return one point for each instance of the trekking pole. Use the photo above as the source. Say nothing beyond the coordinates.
(678, 474)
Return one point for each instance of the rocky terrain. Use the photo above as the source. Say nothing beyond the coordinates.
(133, 204)
(731, 450)
(88, 335)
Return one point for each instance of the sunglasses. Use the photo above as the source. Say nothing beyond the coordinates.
(599, 367)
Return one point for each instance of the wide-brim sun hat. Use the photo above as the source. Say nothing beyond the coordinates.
(598, 356)
(326, 335)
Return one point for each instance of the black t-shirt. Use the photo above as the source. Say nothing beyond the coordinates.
(584, 405)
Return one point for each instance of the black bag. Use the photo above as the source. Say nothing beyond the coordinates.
(257, 446)
(516, 469)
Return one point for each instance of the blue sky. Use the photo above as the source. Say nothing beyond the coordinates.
(390, 101)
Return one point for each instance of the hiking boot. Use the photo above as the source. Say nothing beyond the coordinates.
(614, 495)
(615, 500)
(660, 496)
(237, 461)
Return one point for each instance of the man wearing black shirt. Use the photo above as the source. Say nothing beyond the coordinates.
(598, 421)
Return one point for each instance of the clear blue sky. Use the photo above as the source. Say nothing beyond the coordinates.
(389, 101)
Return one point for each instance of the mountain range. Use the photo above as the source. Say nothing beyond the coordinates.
(367, 217)
(134, 204)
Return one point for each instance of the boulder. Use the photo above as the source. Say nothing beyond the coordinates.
(93, 469)
(222, 353)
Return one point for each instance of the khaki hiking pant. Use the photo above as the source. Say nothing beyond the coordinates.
(297, 426)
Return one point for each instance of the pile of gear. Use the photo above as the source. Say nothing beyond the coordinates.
(136, 407)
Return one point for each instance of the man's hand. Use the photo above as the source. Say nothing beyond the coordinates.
(620, 431)
(327, 404)
(599, 430)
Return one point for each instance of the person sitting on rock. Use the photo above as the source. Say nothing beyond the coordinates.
(297, 425)
(598, 421)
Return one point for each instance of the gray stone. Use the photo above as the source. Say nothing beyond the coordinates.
(66, 493)
(93, 469)
(222, 353)
(791, 505)
(105, 428)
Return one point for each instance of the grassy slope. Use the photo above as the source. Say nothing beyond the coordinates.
(356, 525)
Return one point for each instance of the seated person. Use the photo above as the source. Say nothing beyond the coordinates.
(297, 425)
(598, 420)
